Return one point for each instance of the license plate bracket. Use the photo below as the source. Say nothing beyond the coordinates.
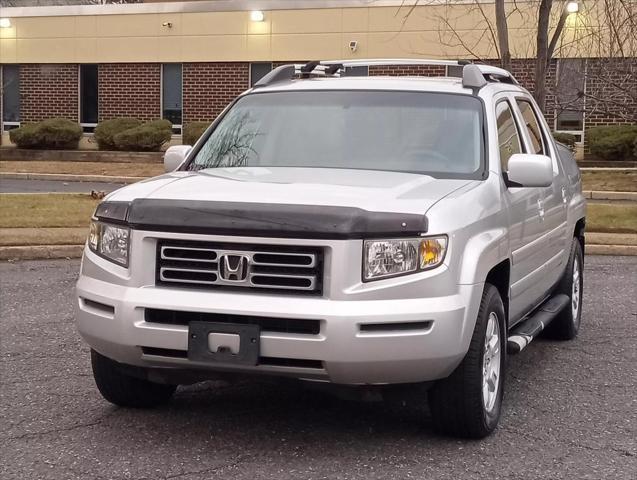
(199, 343)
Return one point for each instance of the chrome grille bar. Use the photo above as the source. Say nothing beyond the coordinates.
(212, 265)
(166, 252)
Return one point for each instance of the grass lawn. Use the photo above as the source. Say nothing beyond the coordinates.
(615, 181)
(85, 168)
(611, 218)
(44, 210)
(43, 236)
(62, 219)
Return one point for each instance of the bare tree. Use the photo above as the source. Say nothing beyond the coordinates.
(231, 144)
(503, 34)
(545, 49)
(492, 27)
(604, 85)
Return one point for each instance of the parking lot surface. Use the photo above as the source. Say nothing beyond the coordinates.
(570, 409)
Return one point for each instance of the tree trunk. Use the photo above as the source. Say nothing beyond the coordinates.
(503, 34)
(542, 59)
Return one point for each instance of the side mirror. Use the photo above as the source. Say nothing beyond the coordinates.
(527, 170)
(175, 155)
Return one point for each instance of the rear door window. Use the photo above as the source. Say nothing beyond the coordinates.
(533, 127)
(508, 135)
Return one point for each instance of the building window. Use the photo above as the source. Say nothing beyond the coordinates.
(455, 71)
(171, 95)
(362, 71)
(258, 71)
(10, 96)
(569, 98)
(89, 97)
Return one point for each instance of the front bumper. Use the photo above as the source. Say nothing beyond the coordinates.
(111, 318)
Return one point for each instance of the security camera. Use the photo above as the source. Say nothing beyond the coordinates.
(353, 45)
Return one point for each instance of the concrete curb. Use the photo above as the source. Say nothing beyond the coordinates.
(12, 154)
(608, 169)
(630, 250)
(40, 252)
(597, 238)
(610, 195)
(70, 178)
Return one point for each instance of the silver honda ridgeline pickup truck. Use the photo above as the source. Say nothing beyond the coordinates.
(361, 231)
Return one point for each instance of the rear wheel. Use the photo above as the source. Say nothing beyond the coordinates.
(566, 325)
(125, 390)
(467, 403)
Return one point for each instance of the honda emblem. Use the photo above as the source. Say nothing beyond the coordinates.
(233, 268)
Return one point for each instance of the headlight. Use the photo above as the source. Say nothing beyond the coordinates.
(388, 258)
(109, 241)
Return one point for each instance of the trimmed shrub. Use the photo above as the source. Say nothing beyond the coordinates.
(565, 139)
(54, 133)
(148, 137)
(105, 131)
(161, 124)
(25, 136)
(192, 132)
(614, 142)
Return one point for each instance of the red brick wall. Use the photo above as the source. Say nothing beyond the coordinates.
(408, 70)
(209, 87)
(524, 72)
(134, 90)
(48, 91)
(130, 90)
(611, 91)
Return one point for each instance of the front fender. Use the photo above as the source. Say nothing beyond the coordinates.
(481, 253)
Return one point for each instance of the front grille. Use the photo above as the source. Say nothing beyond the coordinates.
(224, 265)
(267, 324)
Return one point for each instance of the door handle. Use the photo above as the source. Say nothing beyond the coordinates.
(540, 208)
(564, 198)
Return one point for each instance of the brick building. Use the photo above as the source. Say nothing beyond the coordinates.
(186, 61)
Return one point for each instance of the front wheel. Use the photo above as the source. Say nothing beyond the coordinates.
(467, 403)
(125, 390)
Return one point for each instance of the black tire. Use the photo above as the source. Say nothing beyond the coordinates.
(456, 402)
(125, 390)
(566, 325)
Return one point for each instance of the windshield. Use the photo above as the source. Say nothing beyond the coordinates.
(431, 133)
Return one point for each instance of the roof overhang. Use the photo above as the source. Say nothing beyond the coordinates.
(208, 6)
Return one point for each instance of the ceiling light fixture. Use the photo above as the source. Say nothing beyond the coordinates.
(257, 16)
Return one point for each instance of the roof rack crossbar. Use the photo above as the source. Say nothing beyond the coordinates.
(474, 76)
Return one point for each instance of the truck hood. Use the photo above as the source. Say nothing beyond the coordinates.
(375, 191)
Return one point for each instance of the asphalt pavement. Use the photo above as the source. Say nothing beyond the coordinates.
(570, 409)
(41, 186)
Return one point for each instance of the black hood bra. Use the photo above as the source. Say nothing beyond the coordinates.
(261, 219)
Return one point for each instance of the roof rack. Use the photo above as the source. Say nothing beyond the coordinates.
(474, 76)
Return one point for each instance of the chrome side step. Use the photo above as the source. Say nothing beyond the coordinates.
(524, 333)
